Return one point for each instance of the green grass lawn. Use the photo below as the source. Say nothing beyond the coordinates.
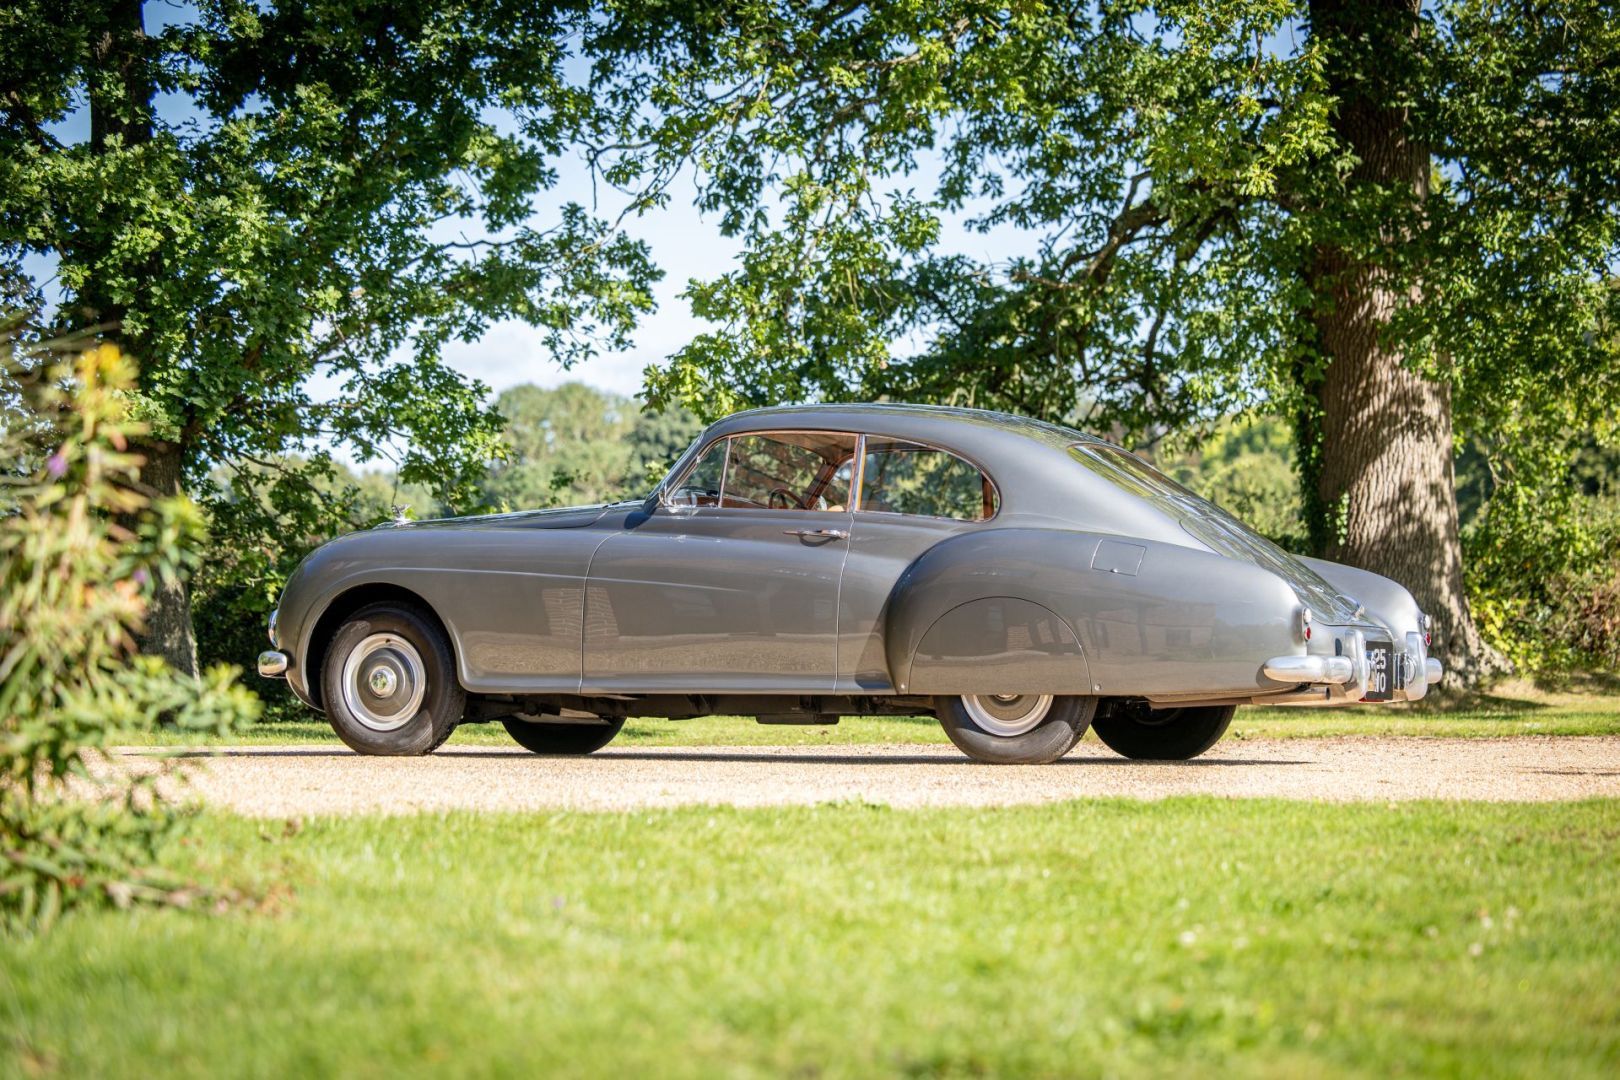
(1191, 936)
(1590, 707)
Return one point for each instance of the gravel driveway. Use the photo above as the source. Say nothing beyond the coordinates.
(285, 781)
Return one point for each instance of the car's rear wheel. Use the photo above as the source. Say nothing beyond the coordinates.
(1014, 729)
(389, 682)
(1137, 730)
(559, 739)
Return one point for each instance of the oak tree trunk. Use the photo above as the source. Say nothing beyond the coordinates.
(167, 631)
(1383, 492)
(121, 92)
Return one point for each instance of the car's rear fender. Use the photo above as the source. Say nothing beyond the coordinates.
(998, 645)
(1148, 617)
(1386, 600)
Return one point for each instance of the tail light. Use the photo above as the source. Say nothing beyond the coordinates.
(1305, 623)
(1423, 623)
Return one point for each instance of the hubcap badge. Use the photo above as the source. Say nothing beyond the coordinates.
(384, 682)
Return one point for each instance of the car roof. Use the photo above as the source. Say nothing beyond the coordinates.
(946, 422)
(1027, 459)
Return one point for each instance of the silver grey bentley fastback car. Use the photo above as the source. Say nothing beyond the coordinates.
(1018, 580)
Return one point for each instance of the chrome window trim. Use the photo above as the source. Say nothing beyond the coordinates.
(857, 482)
(725, 474)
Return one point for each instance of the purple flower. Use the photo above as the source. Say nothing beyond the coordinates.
(56, 465)
(142, 577)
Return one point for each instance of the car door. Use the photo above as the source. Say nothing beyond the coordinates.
(911, 497)
(731, 582)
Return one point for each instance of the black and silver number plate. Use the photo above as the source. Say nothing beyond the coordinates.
(1380, 671)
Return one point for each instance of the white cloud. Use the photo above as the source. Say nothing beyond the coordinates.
(514, 352)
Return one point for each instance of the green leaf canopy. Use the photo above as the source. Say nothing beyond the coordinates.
(273, 194)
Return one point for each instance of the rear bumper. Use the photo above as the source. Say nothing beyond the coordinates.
(1343, 678)
(1335, 670)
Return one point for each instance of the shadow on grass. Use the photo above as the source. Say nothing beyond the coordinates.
(1480, 703)
(1580, 682)
(1518, 697)
(682, 753)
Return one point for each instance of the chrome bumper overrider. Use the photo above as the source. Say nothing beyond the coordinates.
(272, 664)
(1309, 669)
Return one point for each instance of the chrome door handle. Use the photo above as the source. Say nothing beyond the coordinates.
(826, 534)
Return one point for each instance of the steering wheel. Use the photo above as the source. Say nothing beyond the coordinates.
(789, 501)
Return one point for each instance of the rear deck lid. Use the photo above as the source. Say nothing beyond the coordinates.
(1215, 528)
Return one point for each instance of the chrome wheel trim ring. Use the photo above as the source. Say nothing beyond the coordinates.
(1007, 715)
(384, 682)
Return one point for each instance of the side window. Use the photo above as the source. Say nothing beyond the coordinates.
(701, 484)
(790, 470)
(906, 478)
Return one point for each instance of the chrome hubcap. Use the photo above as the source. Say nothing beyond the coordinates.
(1007, 714)
(384, 682)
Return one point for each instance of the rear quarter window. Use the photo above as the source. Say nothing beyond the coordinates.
(900, 477)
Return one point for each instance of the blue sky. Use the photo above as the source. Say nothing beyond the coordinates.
(686, 246)
(683, 244)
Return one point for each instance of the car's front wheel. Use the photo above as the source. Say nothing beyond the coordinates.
(561, 740)
(389, 682)
(1137, 730)
(1015, 729)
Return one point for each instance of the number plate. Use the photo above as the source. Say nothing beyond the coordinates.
(1380, 671)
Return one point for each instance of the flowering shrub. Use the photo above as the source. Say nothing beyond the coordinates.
(80, 547)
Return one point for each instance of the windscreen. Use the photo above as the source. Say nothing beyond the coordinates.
(1211, 526)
